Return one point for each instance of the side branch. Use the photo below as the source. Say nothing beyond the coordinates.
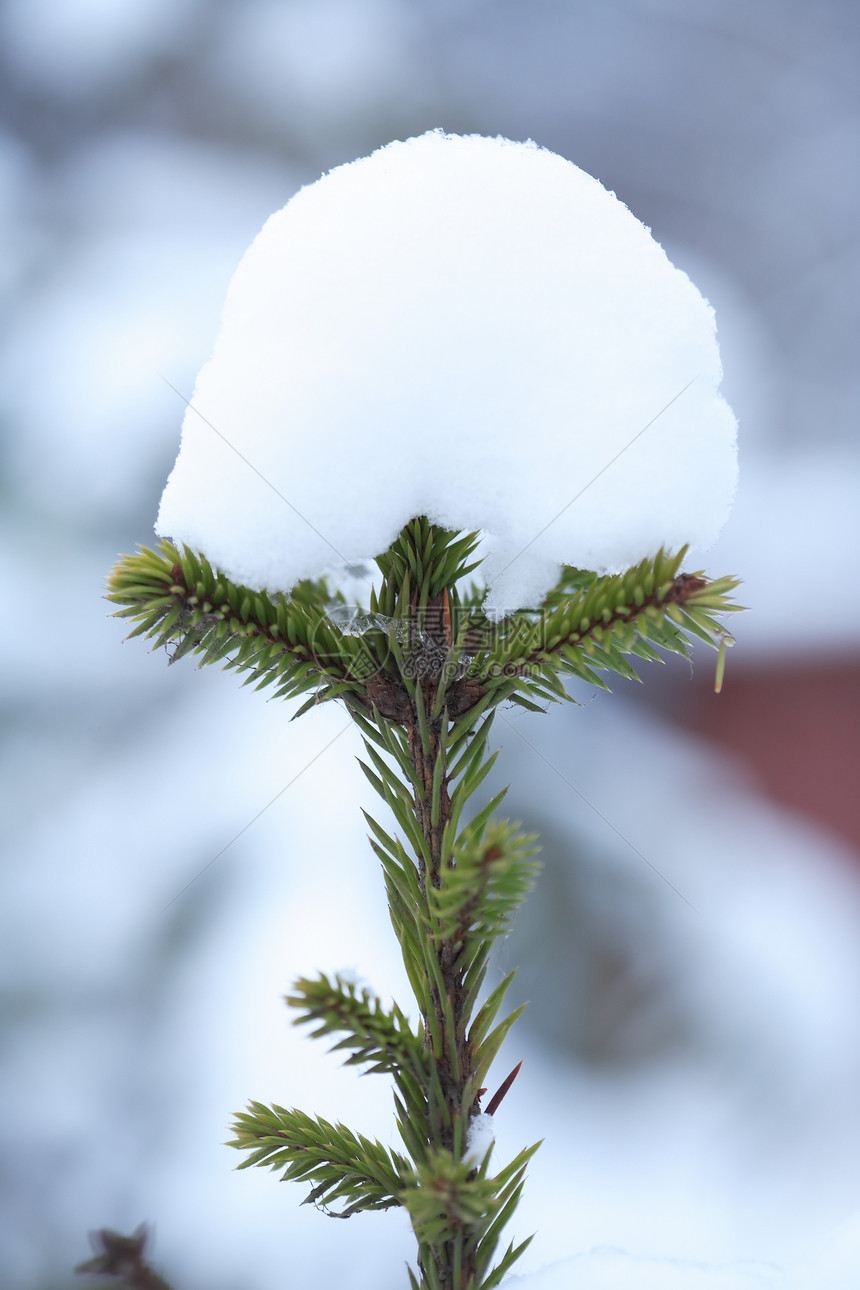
(681, 590)
(590, 623)
(339, 1164)
(178, 598)
(380, 1039)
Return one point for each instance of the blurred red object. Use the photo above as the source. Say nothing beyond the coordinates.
(795, 723)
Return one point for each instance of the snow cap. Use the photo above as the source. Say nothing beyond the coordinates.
(467, 328)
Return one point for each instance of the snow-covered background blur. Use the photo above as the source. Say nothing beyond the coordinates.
(692, 1052)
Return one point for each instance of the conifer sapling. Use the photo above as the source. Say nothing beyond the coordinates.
(461, 377)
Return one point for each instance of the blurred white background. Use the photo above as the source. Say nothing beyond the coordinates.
(692, 1059)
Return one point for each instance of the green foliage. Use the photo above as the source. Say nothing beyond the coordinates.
(452, 1201)
(419, 622)
(421, 671)
(381, 1040)
(589, 624)
(176, 598)
(339, 1164)
(422, 562)
(479, 893)
(456, 1204)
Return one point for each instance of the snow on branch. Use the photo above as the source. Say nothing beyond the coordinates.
(469, 329)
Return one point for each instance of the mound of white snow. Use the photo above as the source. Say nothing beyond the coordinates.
(466, 328)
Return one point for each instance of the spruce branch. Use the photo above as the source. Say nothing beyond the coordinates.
(588, 624)
(382, 1040)
(340, 1165)
(421, 672)
(177, 598)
